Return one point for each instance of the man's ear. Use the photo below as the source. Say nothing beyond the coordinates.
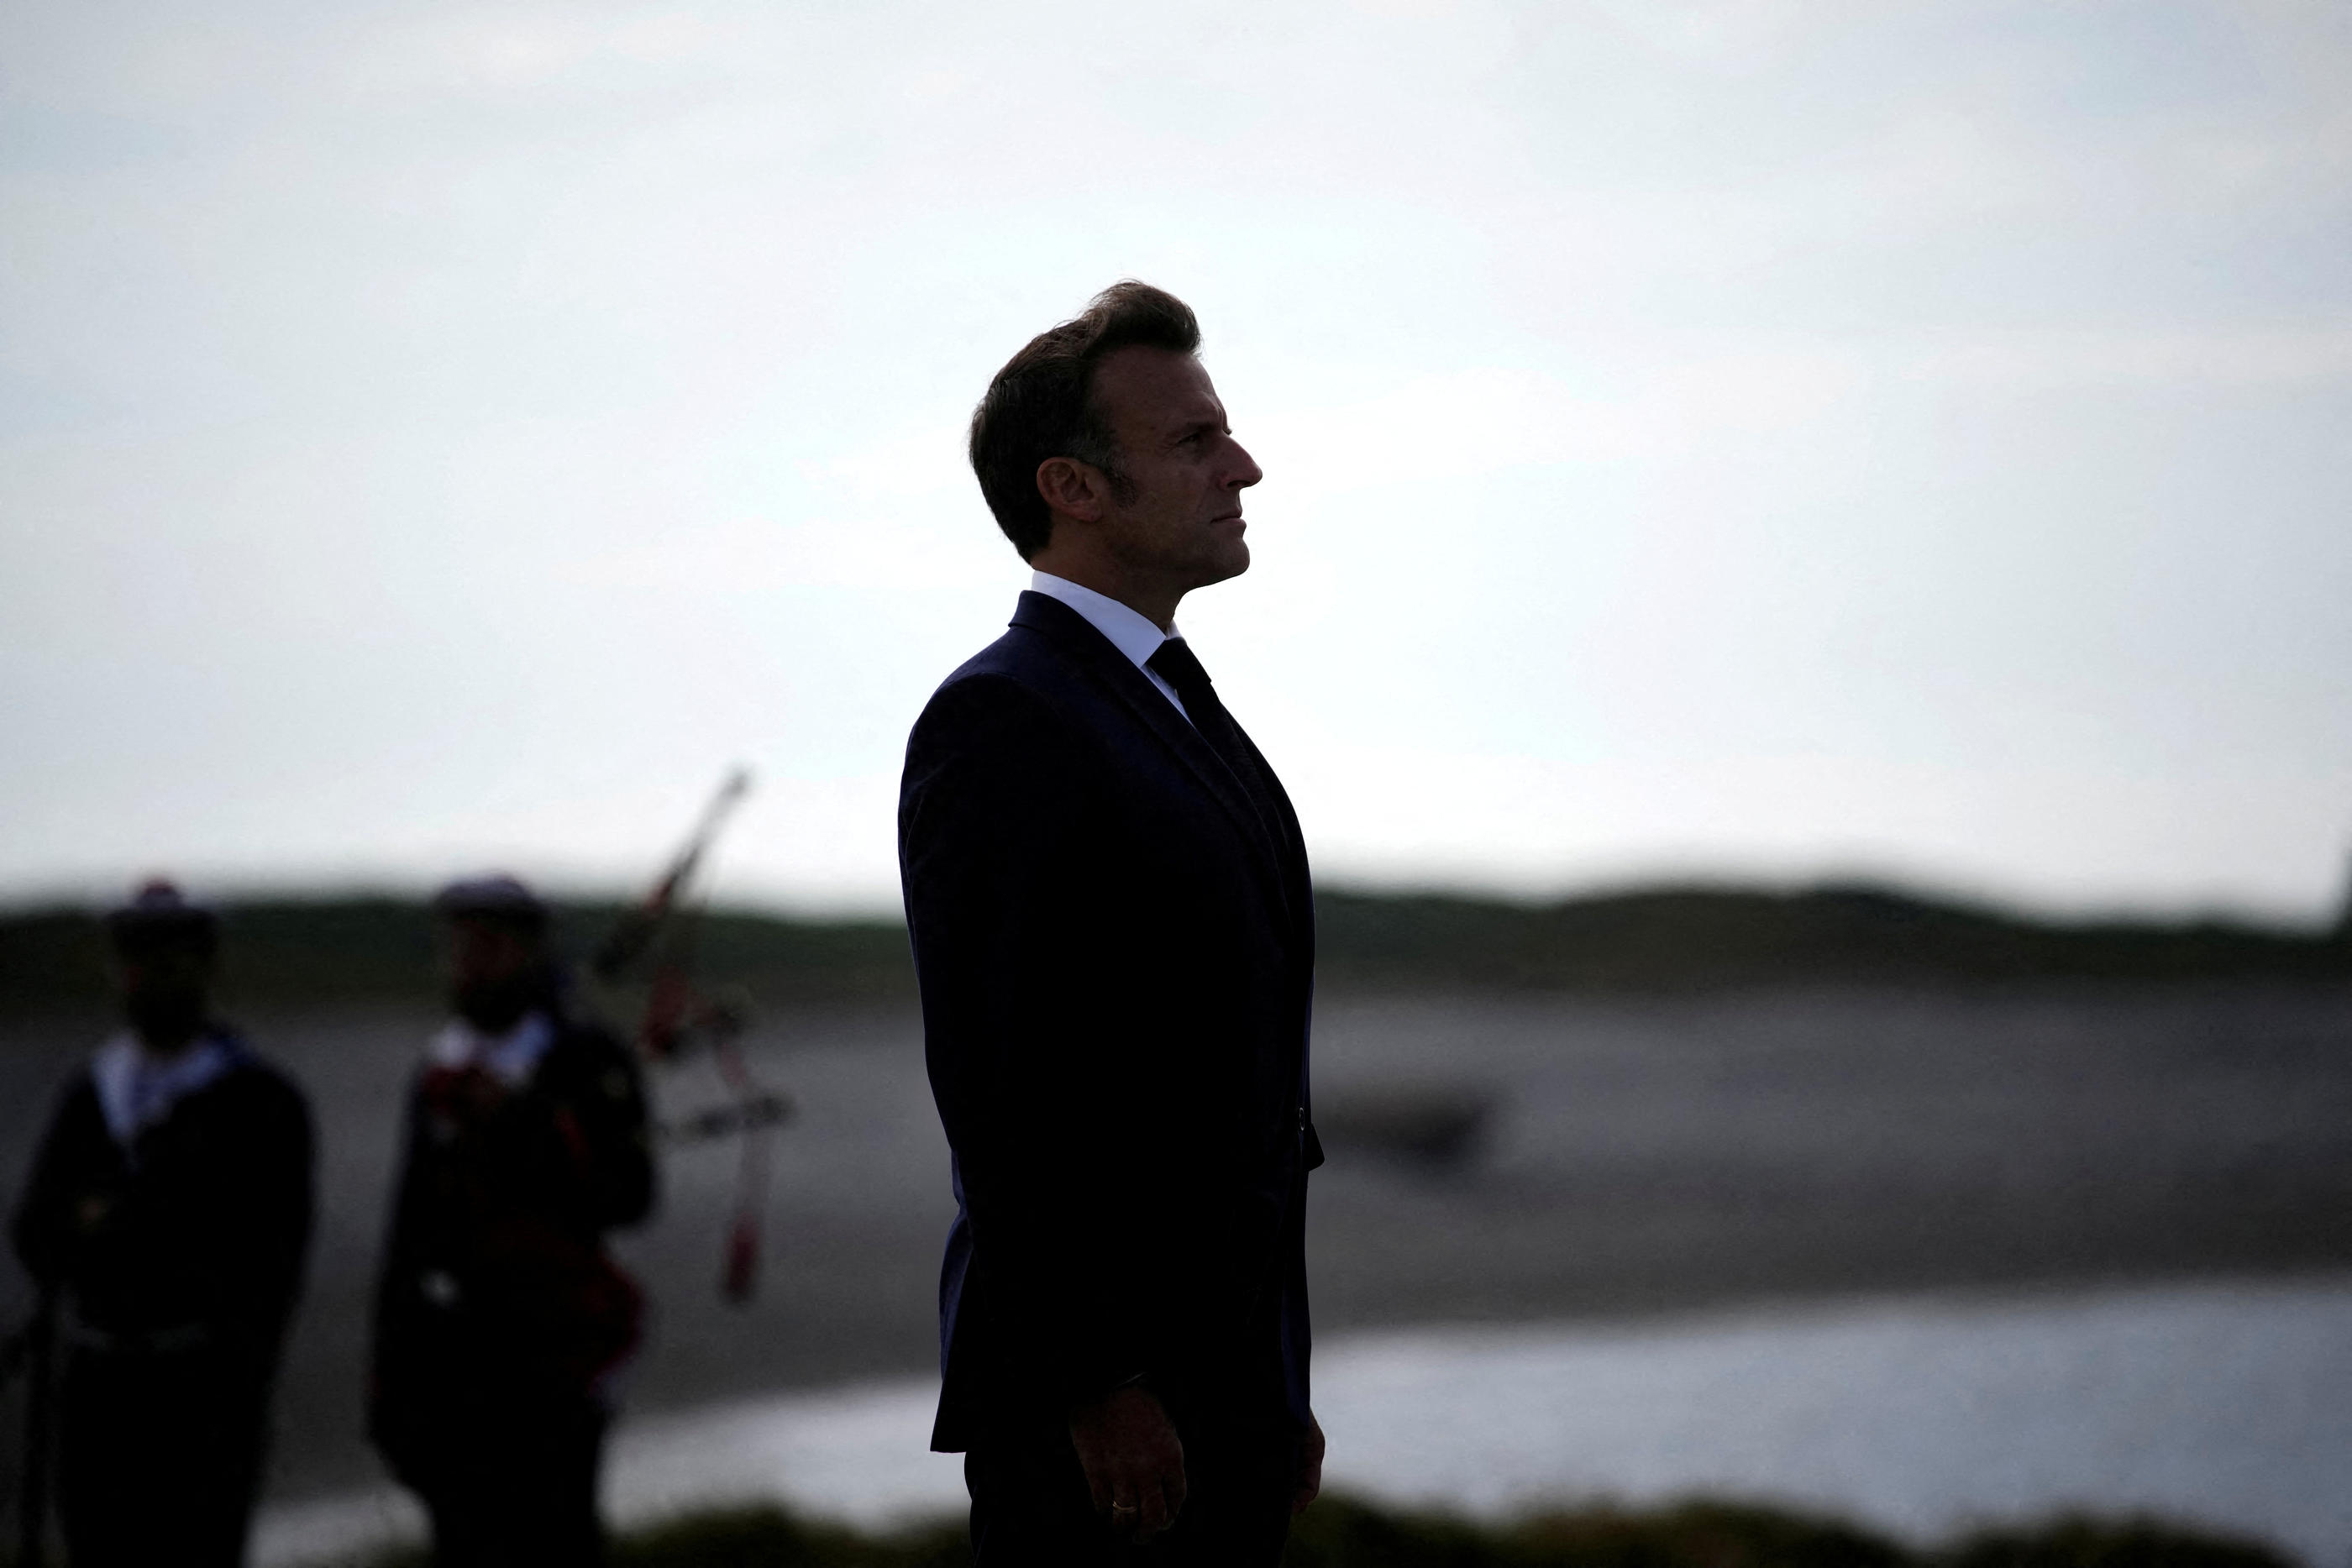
(1073, 488)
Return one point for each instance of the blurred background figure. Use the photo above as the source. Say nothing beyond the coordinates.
(501, 1322)
(166, 1220)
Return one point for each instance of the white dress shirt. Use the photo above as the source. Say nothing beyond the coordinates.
(1130, 631)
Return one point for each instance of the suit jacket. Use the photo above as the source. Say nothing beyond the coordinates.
(197, 1233)
(182, 1255)
(1115, 955)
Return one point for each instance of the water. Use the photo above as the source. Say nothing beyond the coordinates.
(2229, 1406)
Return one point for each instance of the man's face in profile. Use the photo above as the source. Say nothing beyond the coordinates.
(1182, 514)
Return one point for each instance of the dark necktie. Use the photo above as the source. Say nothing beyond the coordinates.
(1175, 664)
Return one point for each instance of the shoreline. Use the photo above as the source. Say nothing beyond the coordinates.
(1915, 1415)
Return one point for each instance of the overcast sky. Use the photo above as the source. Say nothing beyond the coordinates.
(1752, 439)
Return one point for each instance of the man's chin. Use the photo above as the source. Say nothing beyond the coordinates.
(1227, 563)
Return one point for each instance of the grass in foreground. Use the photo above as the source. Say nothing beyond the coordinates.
(1339, 1533)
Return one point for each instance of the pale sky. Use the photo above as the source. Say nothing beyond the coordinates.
(1747, 439)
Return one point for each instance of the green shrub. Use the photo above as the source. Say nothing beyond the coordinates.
(771, 1538)
(1340, 1532)
(1694, 1535)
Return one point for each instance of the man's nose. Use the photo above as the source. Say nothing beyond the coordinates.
(1245, 469)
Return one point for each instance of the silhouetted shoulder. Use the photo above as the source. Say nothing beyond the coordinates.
(589, 1056)
(267, 1090)
(979, 697)
(1026, 678)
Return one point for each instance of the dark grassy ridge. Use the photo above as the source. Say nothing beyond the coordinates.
(332, 949)
(1666, 939)
(1338, 1533)
(1702, 939)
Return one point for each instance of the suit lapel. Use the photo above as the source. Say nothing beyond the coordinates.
(1119, 676)
(1291, 844)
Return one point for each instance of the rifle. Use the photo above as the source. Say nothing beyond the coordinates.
(679, 1018)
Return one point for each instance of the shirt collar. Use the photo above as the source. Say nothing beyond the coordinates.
(135, 1090)
(510, 1057)
(1130, 631)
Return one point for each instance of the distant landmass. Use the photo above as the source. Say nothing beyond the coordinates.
(1667, 939)
(1711, 939)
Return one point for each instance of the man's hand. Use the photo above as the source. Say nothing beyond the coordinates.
(1133, 1460)
(1310, 1465)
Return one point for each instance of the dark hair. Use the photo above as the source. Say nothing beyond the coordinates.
(1041, 404)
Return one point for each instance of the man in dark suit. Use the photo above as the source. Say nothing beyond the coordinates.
(1114, 934)
(169, 1214)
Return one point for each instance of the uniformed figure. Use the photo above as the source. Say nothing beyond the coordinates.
(500, 1321)
(168, 1214)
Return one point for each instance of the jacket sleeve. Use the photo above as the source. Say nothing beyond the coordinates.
(1009, 865)
(42, 1230)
